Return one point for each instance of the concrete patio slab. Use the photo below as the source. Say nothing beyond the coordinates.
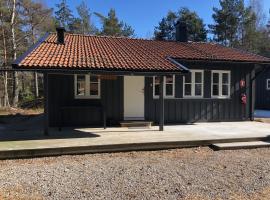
(94, 140)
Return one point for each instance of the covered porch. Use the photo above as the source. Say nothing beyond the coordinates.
(118, 97)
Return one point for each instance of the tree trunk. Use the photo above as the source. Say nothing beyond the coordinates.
(14, 46)
(6, 98)
(35, 73)
(36, 85)
(15, 89)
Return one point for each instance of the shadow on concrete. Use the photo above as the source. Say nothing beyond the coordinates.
(30, 127)
(267, 139)
(38, 135)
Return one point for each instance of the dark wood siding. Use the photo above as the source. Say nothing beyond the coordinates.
(262, 94)
(61, 94)
(177, 110)
(182, 110)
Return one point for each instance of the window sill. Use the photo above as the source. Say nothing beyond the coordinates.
(191, 97)
(86, 97)
(220, 97)
(164, 97)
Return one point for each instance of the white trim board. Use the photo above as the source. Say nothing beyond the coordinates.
(220, 96)
(193, 96)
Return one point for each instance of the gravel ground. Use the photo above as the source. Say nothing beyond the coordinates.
(195, 173)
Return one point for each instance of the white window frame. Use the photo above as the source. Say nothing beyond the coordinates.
(193, 85)
(87, 88)
(164, 88)
(220, 84)
(267, 84)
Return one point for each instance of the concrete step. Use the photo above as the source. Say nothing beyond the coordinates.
(240, 145)
(131, 124)
(24, 151)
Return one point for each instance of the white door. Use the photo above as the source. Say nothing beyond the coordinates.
(134, 98)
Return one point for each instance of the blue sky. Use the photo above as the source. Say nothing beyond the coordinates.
(144, 15)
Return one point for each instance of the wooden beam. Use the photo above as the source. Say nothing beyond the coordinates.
(46, 104)
(252, 93)
(161, 103)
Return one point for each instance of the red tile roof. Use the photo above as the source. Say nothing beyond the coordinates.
(114, 53)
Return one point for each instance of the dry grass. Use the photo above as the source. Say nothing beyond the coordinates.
(18, 111)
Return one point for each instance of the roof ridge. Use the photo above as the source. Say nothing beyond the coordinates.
(105, 36)
(132, 38)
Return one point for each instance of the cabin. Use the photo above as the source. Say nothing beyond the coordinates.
(263, 91)
(102, 80)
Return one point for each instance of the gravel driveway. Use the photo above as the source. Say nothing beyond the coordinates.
(195, 173)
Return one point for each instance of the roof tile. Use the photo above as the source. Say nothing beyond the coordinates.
(99, 52)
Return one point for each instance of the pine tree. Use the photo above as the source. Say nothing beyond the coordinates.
(195, 26)
(75, 26)
(35, 15)
(166, 28)
(113, 27)
(240, 26)
(248, 34)
(4, 52)
(227, 20)
(85, 19)
(63, 15)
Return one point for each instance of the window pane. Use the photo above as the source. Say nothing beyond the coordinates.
(198, 77)
(225, 78)
(93, 78)
(157, 80)
(169, 89)
(187, 89)
(215, 90)
(188, 78)
(225, 90)
(94, 89)
(80, 85)
(215, 78)
(198, 89)
(169, 79)
(156, 86)
(156, 90)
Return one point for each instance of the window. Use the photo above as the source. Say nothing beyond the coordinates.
(87, 86)
(221, 84)
(168, 86)
(193, 84)
(268, 84)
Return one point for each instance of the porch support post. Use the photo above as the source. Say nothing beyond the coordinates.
(252, 93)
(161, 103)
(46, 104)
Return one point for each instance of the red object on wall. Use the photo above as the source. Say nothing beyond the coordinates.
(244, 99)
(242, 83)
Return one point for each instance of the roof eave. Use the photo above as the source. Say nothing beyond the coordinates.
(223, 61)
(97, 71)
(16, 62)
